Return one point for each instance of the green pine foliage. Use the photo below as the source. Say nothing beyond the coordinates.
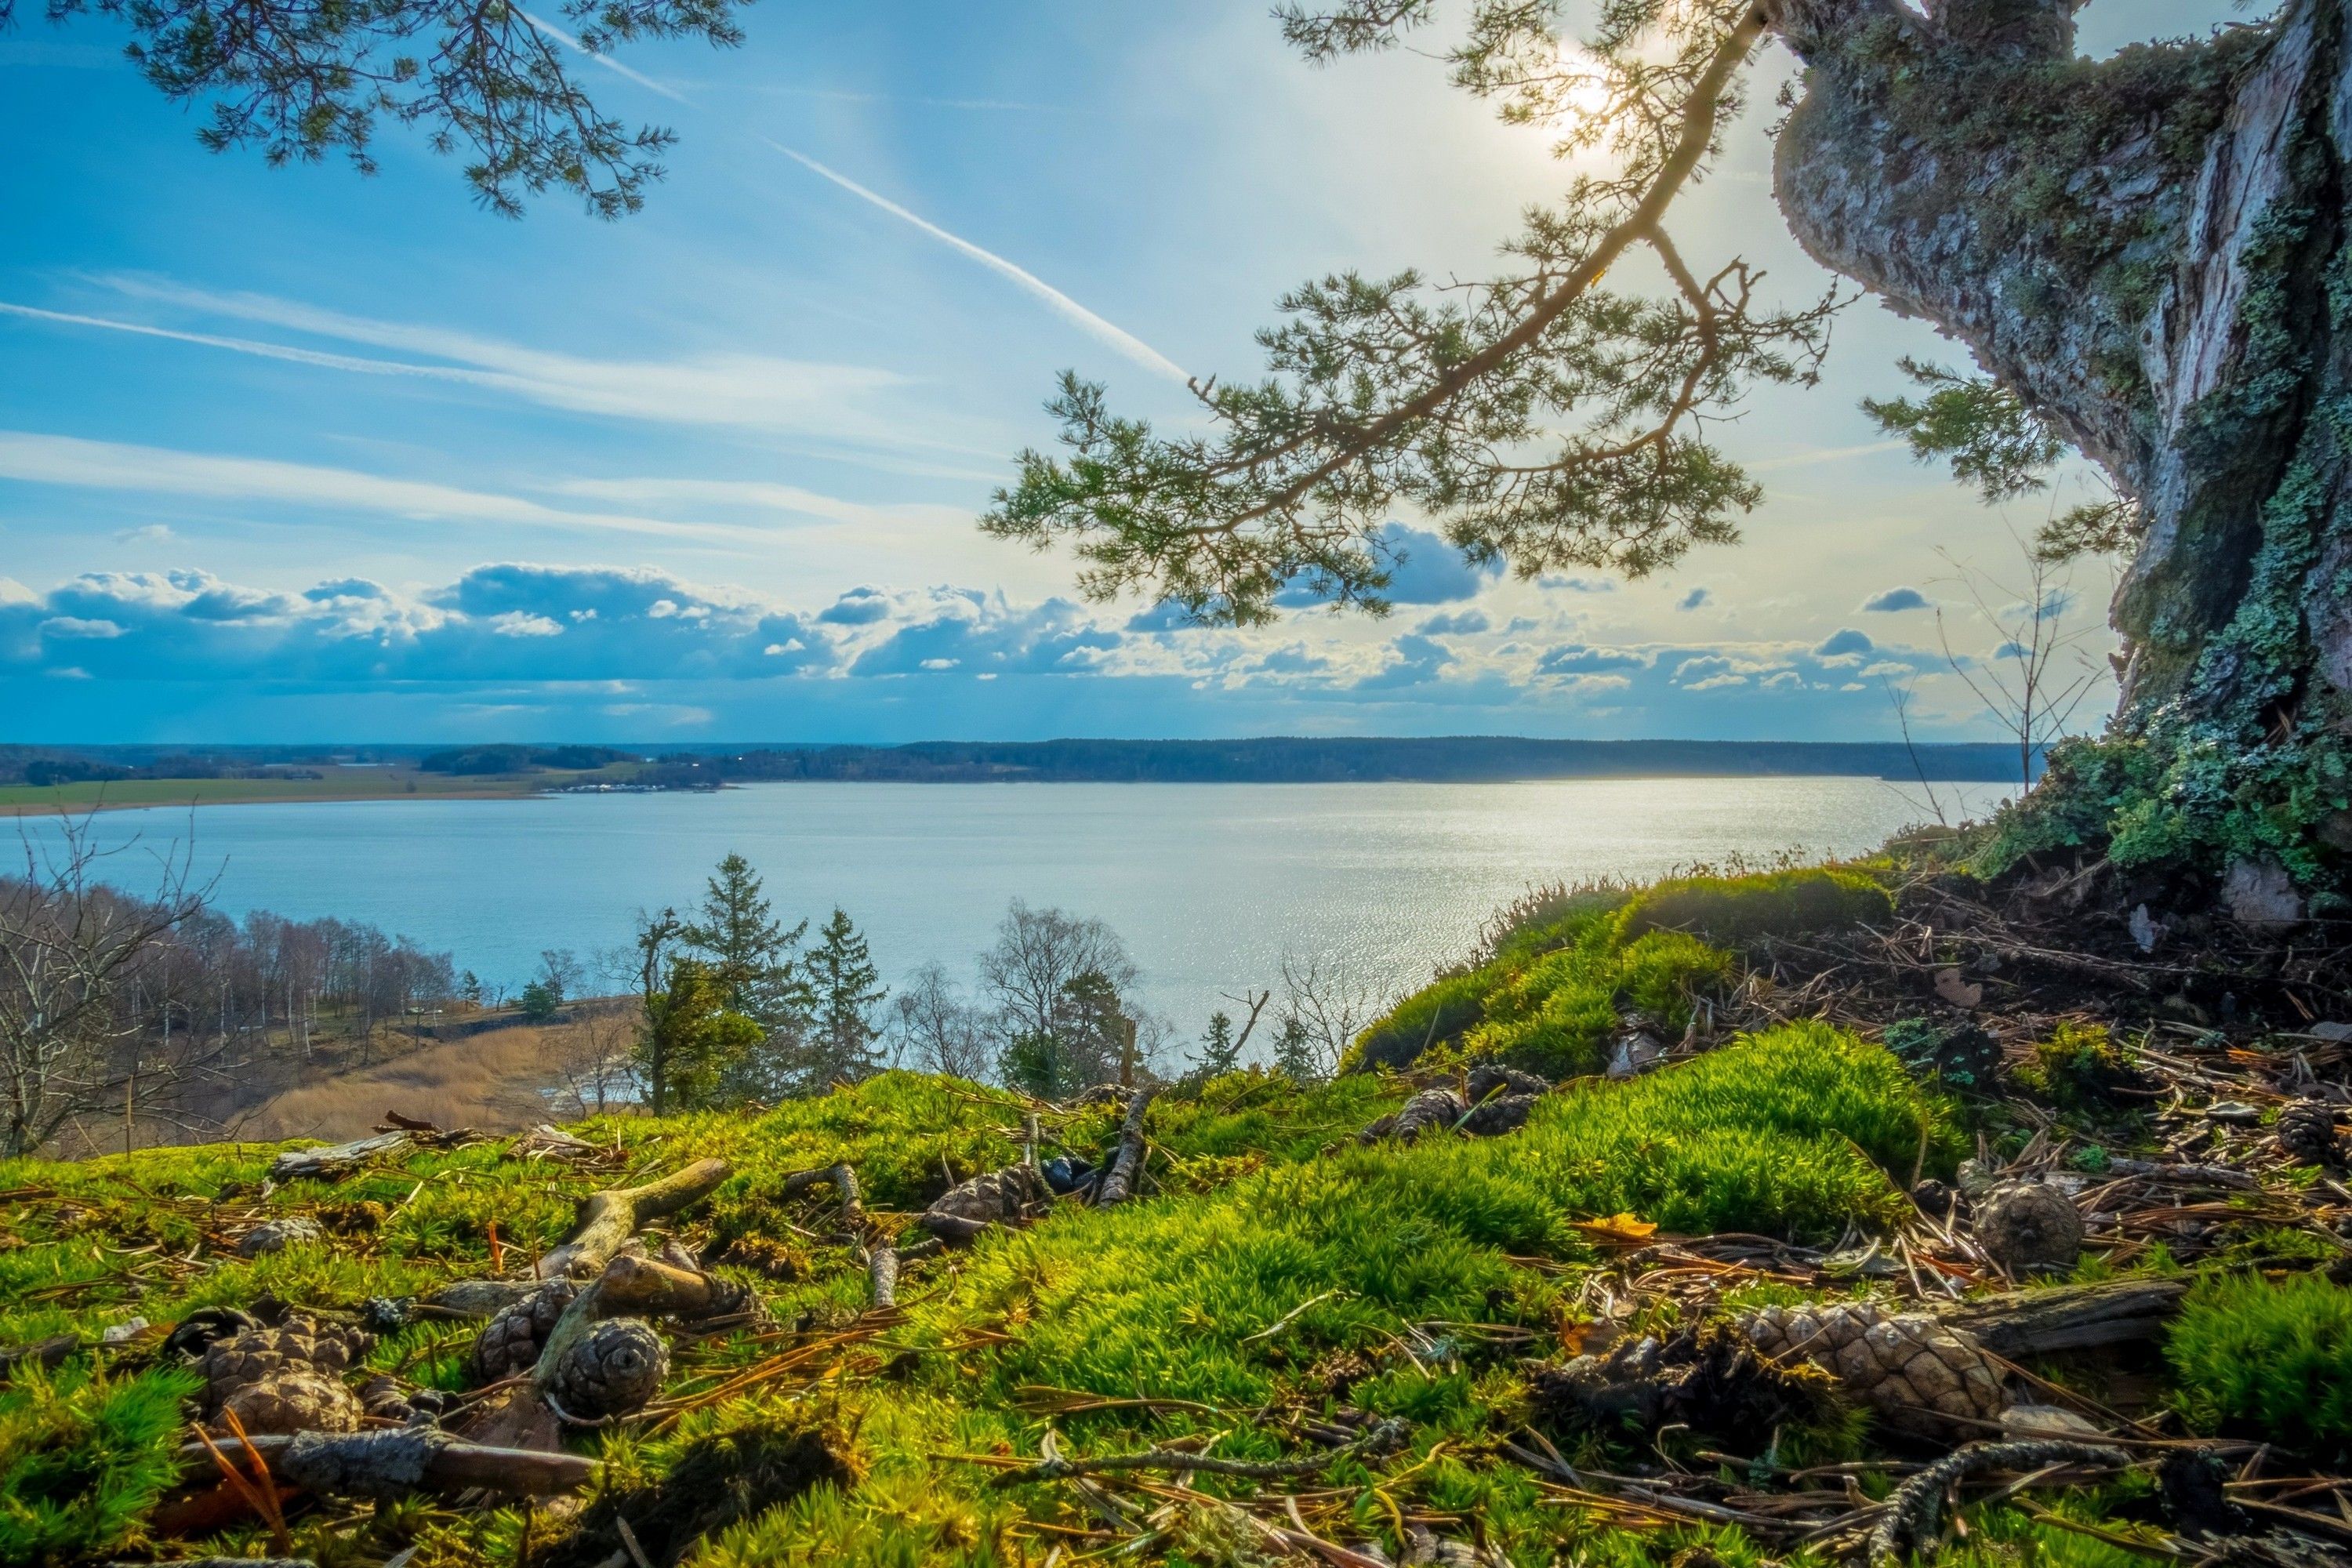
(2270, 1359)
(82, 1457)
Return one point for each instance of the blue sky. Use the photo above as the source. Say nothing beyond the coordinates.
(296, 455)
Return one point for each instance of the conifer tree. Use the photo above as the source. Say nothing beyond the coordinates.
(846, 988)
(1219, 1054)
(301, 80)
(750, 952)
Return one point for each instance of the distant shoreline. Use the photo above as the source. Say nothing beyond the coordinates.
(255, 775)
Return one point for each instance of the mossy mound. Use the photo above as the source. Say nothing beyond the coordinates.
(1261, 1257)
(2268, 1360)
(1739, 910)
(1559, 979)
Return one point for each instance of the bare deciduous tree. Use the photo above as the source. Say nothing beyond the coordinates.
(932, 1028)
(2040, 673)
(1037, 953)
(68, 949)
(1324, 1006)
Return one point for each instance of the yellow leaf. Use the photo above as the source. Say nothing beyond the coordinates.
(1623, 1229)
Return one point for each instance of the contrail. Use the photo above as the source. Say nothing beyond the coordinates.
(366, 365)
(1095, 326)
(607, 61)
(1118, 337)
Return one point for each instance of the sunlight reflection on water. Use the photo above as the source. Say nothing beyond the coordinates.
(1210, 884)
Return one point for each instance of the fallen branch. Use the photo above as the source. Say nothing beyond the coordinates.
(337, 1158)
(882, 1276)
(2078, 1317)
(1124, 1169)
(395, 1463)
(845, 1183)
(1917, 1506)
(608, 1219)
(1383, 1436)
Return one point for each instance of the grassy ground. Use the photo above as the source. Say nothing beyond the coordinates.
(1278, 1279)
(338, 783)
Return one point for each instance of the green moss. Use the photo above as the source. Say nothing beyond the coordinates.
(2080, 1065)
(2271, 1360)
(1551, 993)
(1738, 910)
(82, 1457)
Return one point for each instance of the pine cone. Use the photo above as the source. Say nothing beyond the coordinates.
(1488, 1076)
(1433, 1109)
(294, 1399)
(510, 1342)
(1901, 1365)
(2307, 1132)
(299, 1345)
(995, 1197)
(2026, 1226)
(1503, 1113)
(611, 1370)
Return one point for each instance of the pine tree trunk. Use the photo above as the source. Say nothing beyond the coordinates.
(2150, 250)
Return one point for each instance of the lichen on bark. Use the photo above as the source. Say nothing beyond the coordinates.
(2150, 250)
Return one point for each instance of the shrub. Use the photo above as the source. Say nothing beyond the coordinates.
(2271, 1360)
(82, 1457)
(2079, 1065)
(1741, 910)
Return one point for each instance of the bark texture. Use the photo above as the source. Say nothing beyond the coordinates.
(2149, 249)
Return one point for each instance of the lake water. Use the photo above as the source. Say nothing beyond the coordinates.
(1210, 885)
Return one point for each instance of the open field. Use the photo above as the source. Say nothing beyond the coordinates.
(500, 1080)
(340, 784)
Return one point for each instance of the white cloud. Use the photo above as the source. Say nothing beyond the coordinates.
(740, 390)
(36, 458)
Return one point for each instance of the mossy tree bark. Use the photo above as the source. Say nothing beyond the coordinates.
(2150, 251)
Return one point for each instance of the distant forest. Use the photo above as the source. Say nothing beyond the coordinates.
(1459, 759)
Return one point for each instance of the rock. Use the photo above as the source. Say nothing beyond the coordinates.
(1907, 1367)
(2332, 1032)
(1976, 1178)
(2045, 1420)
(611, 1370)
(1637, 1052)
(276, 1235)
(123, 1332)
(2026, 1226)
(2260, 894)
(2236, 1112)
(1933, 1197)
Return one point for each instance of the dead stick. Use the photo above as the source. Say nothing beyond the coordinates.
(1116, 1184)
(882, 1274)
(609, 1218)
(845, 1182)
(346, 1463)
